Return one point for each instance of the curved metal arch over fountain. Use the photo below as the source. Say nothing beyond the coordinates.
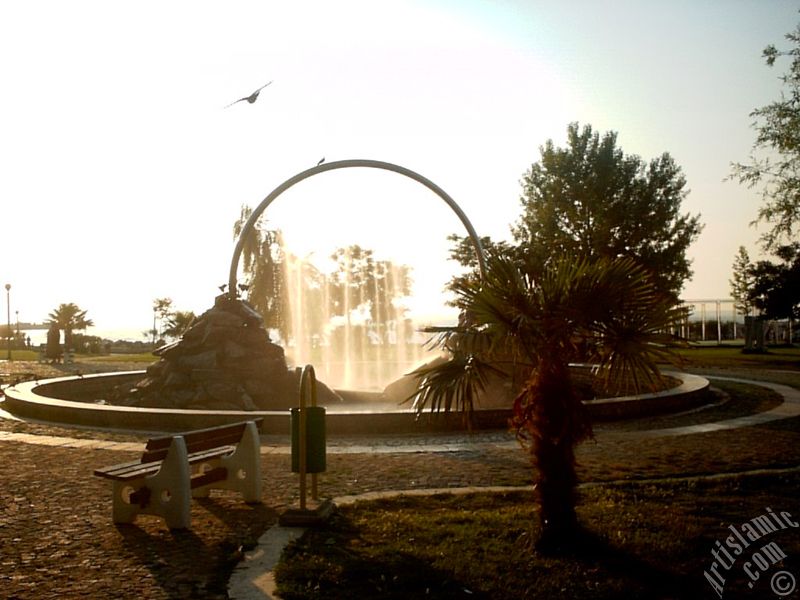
(349, 164)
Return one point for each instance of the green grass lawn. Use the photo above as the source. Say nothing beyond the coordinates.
(20, 354)
(479, 546)
(732, 356)
(142, 357)
(32, 355)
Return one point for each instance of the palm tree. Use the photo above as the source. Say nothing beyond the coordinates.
(178, 322)
(69, 317)
(528, 323)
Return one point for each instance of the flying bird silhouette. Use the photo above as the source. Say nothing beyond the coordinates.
(251, 98)
(222, 287)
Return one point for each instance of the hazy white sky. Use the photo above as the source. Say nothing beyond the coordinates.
(122, 174)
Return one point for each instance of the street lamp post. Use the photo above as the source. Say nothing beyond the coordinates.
(8, 318)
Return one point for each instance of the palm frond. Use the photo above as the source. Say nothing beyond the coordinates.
(451, 385)
(628, 327)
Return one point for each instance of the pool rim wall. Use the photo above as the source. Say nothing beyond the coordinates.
(39, 400)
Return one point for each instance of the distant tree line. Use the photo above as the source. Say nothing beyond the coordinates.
(359, 284)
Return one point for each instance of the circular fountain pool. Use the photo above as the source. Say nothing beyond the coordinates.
(79, 401)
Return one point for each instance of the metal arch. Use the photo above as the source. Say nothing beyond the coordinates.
(347, 164)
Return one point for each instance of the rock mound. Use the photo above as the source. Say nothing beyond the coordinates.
(224, 361)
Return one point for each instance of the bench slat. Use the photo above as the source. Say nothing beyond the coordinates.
(192, 437)
(212, 476)
(201, 439)
(136, 469)
(105, 471)
(151, 455)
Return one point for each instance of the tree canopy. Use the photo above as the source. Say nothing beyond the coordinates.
(775, 289)
(742, 282)
(69, 317)
(177, 322)
(774, 162)
(589, 199)
(263, 256)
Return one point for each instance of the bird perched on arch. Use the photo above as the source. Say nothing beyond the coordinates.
(251, 98)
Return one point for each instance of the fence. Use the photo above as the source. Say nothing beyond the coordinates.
(717, 320)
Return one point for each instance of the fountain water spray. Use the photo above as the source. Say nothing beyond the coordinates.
(362, 340)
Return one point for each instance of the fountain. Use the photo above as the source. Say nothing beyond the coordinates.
(226, 368)
(351, 323)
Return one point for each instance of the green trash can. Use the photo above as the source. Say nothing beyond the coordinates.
(315, 439)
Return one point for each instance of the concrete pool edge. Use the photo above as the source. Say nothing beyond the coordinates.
(43, 400)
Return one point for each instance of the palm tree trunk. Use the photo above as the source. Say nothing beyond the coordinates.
(555, 486)
(555, 421)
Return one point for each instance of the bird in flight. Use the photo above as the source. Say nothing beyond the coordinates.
(251, 98)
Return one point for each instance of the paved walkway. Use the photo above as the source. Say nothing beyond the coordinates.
(57, 539)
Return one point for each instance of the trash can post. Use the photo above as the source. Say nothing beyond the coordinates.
(307, 425)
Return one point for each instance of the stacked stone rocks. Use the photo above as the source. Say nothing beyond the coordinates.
(224, 361)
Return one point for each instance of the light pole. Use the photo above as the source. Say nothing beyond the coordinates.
(8, 318)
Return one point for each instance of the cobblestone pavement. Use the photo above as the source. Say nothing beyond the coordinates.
(57, 539)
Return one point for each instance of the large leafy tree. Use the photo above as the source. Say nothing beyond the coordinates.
(775, 289)
(264, 258)
(774, 163)
(529, 321)
(69, 317)
(591, 200)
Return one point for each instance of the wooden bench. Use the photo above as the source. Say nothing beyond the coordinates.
(175, 468)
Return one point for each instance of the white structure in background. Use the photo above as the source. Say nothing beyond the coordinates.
(717, 320)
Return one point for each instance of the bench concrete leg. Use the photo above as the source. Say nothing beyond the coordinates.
(122, 511)
(251, 489)
(169, 494)
(243, 466)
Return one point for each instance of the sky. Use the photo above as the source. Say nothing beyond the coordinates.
(122, 172)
